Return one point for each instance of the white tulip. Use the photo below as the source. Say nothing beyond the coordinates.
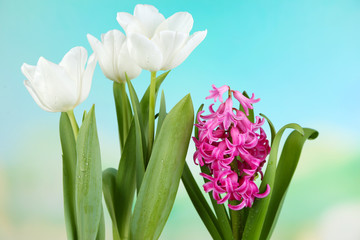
(156, 43)
(113, 56)
(60, 87)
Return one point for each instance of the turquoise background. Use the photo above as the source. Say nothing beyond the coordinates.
(301, 58)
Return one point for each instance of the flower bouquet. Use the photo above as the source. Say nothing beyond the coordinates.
(232, 148)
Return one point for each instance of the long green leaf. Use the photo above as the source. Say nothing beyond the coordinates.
(140, 162)
(257, 213)
(101, 229)
(68, 145)
(162, 113)
(109, 190)
(88, 182)
(126, 184)
(200, 204)
(161, 181)
(123, 111)
(284, 172)
(271, 126)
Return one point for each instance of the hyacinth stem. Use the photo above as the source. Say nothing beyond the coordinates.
(151, 112)
(235, 221)
(73, 122)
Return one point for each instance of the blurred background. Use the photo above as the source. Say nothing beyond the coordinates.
(302, 58)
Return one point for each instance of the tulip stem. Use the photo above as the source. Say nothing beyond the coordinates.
(151, 112)
(73, 122)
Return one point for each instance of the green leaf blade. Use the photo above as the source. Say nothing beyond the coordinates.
(161, 180)
(68, 146)
(284, 172)
(257, 212)
(200, 204)
(139, 133)
(88, 187)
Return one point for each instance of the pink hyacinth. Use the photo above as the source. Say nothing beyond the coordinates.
(233, 148)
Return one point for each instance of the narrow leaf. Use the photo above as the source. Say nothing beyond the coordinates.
(88, 181)
(126, 184)
(158, 190)
(200, 204)
(109, 190)
(140, 163)
(284, 172)
(271, 126)
(162, 113)
(123, 111)
(257, 212)
(68, 146)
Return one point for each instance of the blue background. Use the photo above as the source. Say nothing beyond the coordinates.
(301, 58)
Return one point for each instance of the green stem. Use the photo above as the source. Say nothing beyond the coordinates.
(151, 112)
(73, 122)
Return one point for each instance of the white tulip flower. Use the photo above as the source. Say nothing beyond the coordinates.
(60, 87)
(113, 56)
(156, 43)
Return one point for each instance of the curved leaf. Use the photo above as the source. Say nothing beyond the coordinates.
(257, 212)
(139, 133)
(161, 180)
(123, 111)
(284, 172)
(200, 204)
(271, 126)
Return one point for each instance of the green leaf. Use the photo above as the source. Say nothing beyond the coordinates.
(123, 111)
(140, 163)
(200, 204)
(144, 103)
(88, 180)
(161, 181)
(109, 190)
(162, 113)
(284, 172)
(101, 229)
(257, 212)
(68, 145)
(271, 126)
(84, 115)
(126, 183)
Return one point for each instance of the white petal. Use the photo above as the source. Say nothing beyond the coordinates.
(150, 18)
(54, 87)
(145, 53)
(28, 71)
(74, 64)
(130, 23)
(87, 79)
(104, 57)
(36, 98)
(125, 64)
(180, 22)
(113, 41)
(189, 46)
(169, 43)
